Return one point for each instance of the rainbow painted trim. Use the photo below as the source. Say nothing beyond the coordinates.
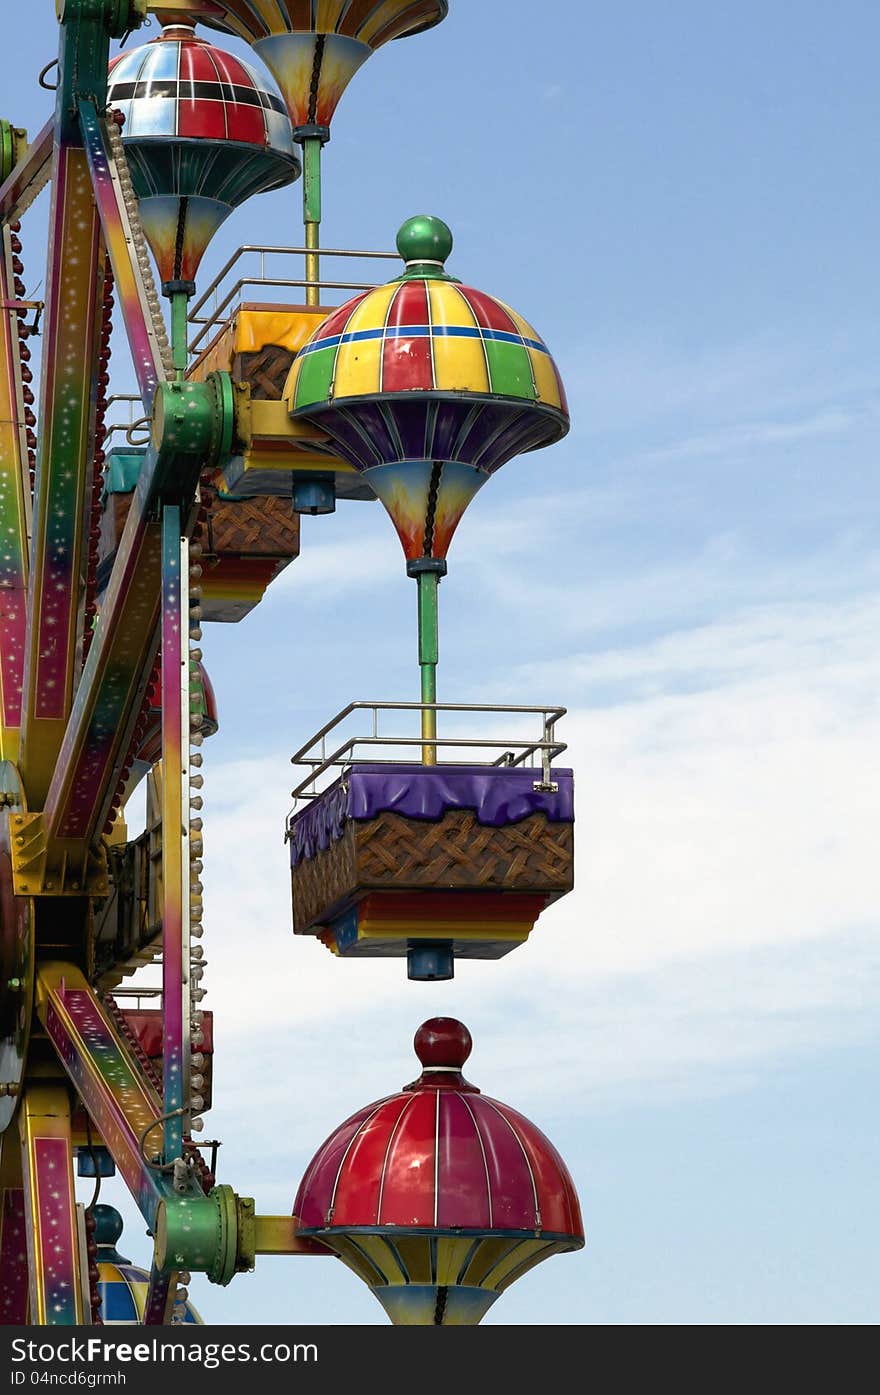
(479, 925)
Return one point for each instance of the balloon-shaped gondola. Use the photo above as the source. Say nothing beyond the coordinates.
(439, 1197)
(203, 131)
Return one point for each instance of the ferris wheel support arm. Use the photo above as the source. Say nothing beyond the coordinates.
(123, 1108)
(107, 699)
(54, 1267)
(192, 430)
(68, 390)
(66, 442)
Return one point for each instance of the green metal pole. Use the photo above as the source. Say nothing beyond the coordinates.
(311, 147)
(429, 653)
(179, 305)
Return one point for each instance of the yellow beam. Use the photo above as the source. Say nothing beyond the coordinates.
(278, 1235)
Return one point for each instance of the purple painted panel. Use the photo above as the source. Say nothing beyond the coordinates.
(498, 795)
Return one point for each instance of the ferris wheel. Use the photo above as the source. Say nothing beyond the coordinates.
(433, 832)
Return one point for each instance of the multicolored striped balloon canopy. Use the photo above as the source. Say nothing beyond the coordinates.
(313, 48)
(438, 1197)
(202, 132)
(427, 387)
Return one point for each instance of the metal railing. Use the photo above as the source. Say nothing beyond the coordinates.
(223, 306)
(318, 760)
(135, 429)
(136, 993)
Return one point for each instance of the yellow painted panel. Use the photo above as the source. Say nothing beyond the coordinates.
(377, 21)
(358, 365)
(451, 1255)
(459, 364)
(527, 1251)
(373, 309)
(546, 385)
(374, 1247)
(490, 1253)
(415, 1254)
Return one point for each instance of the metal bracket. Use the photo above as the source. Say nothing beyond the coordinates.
(38, 869)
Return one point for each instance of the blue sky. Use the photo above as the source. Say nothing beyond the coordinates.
(682, 199)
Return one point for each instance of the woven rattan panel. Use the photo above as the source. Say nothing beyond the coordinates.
(457, 853)
(263, 527)
(324, 882)
(266, 371)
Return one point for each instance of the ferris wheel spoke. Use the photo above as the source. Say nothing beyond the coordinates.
(69, 354)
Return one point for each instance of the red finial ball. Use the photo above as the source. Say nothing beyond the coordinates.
(442, 1041)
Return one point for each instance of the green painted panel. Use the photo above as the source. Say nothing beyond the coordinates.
(315, 376)
(510, 372)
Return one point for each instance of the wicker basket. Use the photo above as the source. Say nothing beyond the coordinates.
(456, 853)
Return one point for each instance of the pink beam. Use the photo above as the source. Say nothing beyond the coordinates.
(56, 1297)
(13, 1259)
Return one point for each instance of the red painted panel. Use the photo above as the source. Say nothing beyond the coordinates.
(195, 63)
(408, 1193)
(231, 69)
(246, 123)
(557, 1198)
(358, 1193)
(463, 1183)
(513, 1198)
(202, 118)
(487, 312)
(406, 361)
(335, 323)
(490, 906)
(316, 1189)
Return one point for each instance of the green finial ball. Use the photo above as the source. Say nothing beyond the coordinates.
(424, 239)
(108, 1224)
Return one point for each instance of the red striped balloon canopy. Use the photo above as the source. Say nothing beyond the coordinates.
(202, 132)
(439, 1197)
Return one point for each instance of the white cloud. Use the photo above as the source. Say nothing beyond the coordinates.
(726, 838)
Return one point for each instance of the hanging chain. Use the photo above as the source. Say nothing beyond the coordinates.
(24, 353)
(198, 962)
(130, 199)
(94, 1271)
